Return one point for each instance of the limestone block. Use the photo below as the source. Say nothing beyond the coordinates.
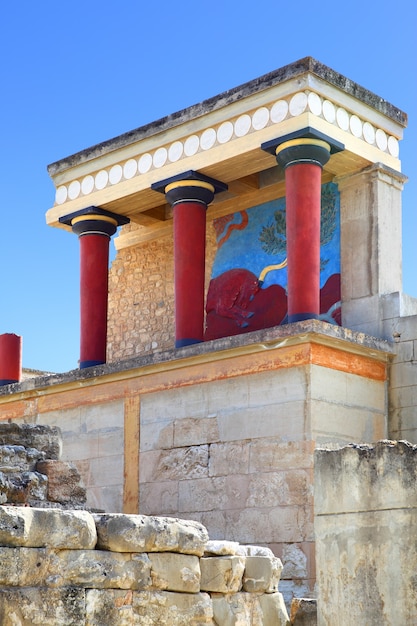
(221, 548)
(153, 608)
(229, 458)
(238, 609)
(46, 439)
(63, 482)
(274, 612)
(262, 574)
(18, 458)
(140, 533)
(175, 572)
(22, 567)
(303, 612)
(245, 609)
(222, 574)
(98, 569)
(204, 494)
(23, 487)
(175, 464)
(49, 607)
(36, 528)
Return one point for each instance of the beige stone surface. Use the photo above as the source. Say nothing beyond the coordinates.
(245, 609)
(36, 528)
(150, 608)
(175, 572)
(366, 515)
(23, 567)
(262, 574)
(48, 607)
(99, 569)
(139, 533)
(222, 574)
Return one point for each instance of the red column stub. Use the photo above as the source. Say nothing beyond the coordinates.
(10, 358)
(94, 228)
(189, 194)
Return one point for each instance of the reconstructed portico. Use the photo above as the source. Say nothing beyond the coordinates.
(255, 307)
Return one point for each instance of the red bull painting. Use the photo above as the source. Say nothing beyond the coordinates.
(248, 287)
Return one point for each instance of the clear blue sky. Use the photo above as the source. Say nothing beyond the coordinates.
(76, 73)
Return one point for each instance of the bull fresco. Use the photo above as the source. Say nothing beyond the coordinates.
(248, 287)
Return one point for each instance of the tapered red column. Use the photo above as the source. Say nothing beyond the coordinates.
(303, 154)
(189, 197)
(94, 228)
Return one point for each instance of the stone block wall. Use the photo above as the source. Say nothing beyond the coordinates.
(365, 526)
(141, 296)
(71, 568)
(93, 440)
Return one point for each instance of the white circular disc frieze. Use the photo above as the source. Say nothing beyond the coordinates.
(61, 194)
(191, 145)
(175, 151)
(145, 163)
(381, 139)
(115, 174)
(208, 139)
(87, 184)
(160, 157)
(260, 118)
(225, 132)
(355, 126)
(298, 103)
(74, 189)
(329, 112)
(314, 103)
(342, 118)
(369, 133)
(242, 125)
(393, 147)
(130, 168)
(279, 111)
(101, 180)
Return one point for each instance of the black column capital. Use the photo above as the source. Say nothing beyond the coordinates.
(93, 220)
(189, 186)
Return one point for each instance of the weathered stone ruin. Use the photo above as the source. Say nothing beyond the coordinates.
(72, 568)
(31, 472)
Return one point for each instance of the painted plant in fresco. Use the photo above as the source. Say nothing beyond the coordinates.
(248, 287)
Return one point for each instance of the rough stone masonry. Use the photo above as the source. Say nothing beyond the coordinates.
(73, 568)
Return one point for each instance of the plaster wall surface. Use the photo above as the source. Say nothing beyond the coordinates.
(365, 522)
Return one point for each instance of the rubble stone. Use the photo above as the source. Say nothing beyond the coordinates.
(262, 574)
(64, 482)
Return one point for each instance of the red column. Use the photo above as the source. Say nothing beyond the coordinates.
(303, 160)
(189, 194)
(10, 358)
(94, 228)
(189, 200)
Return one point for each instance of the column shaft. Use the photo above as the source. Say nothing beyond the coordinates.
(94, 261)
(189, 269)
(303, 196)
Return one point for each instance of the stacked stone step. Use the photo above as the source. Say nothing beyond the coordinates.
(31, 472)
(60, 567)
